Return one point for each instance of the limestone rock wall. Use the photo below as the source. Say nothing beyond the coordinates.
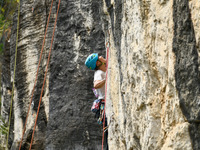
(153, 86)
(65, 120)
(153, 93)
(31, 33)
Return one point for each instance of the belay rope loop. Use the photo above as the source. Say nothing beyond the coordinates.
(107, 56)
(45, 74)
(36, 75)
(11, 103)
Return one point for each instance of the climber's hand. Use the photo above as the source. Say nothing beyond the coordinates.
(103, 60)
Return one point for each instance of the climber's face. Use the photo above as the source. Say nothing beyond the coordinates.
(98, 63)
(101, 59)
(101, 65)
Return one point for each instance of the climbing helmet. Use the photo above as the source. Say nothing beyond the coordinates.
(91, 61)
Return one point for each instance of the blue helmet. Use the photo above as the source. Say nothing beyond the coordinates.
(91, 61)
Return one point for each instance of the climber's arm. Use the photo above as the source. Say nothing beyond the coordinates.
(99, 83)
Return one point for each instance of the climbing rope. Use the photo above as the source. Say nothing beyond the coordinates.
(45, 75)
(36, 74)
(11, 103)
(107, 56)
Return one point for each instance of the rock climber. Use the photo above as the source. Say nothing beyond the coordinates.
(98, 63)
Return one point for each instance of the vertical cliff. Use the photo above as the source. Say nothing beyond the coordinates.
(65, 120)
(71, 124)
(153, 93)
(153, 74)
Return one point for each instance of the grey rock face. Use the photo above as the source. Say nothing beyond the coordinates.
(187, 68)
(153, 74)
(6, 85)
(79, 32)
(6, 88)
(65, 120)
(31, 32)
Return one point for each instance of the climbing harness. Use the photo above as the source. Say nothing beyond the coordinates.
(95, 106)
(32, 103)
(107, 57)
(11, 103)
(98, 109)
(45, 74)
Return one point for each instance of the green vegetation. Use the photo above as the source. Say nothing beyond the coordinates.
(7, 9)
(3, 127)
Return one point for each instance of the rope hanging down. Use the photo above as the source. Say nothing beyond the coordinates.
(45, 75)
(107, 56)
(13, 86)
(36, 75)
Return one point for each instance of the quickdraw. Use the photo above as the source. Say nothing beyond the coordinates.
(100, 120)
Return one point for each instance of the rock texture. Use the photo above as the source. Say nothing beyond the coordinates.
(65, 120)
(155, 68)
(153, 74)
(71, 124)
(5, 89)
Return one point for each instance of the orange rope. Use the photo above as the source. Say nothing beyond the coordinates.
(105, 92)
(45, 75)
(36, 75)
